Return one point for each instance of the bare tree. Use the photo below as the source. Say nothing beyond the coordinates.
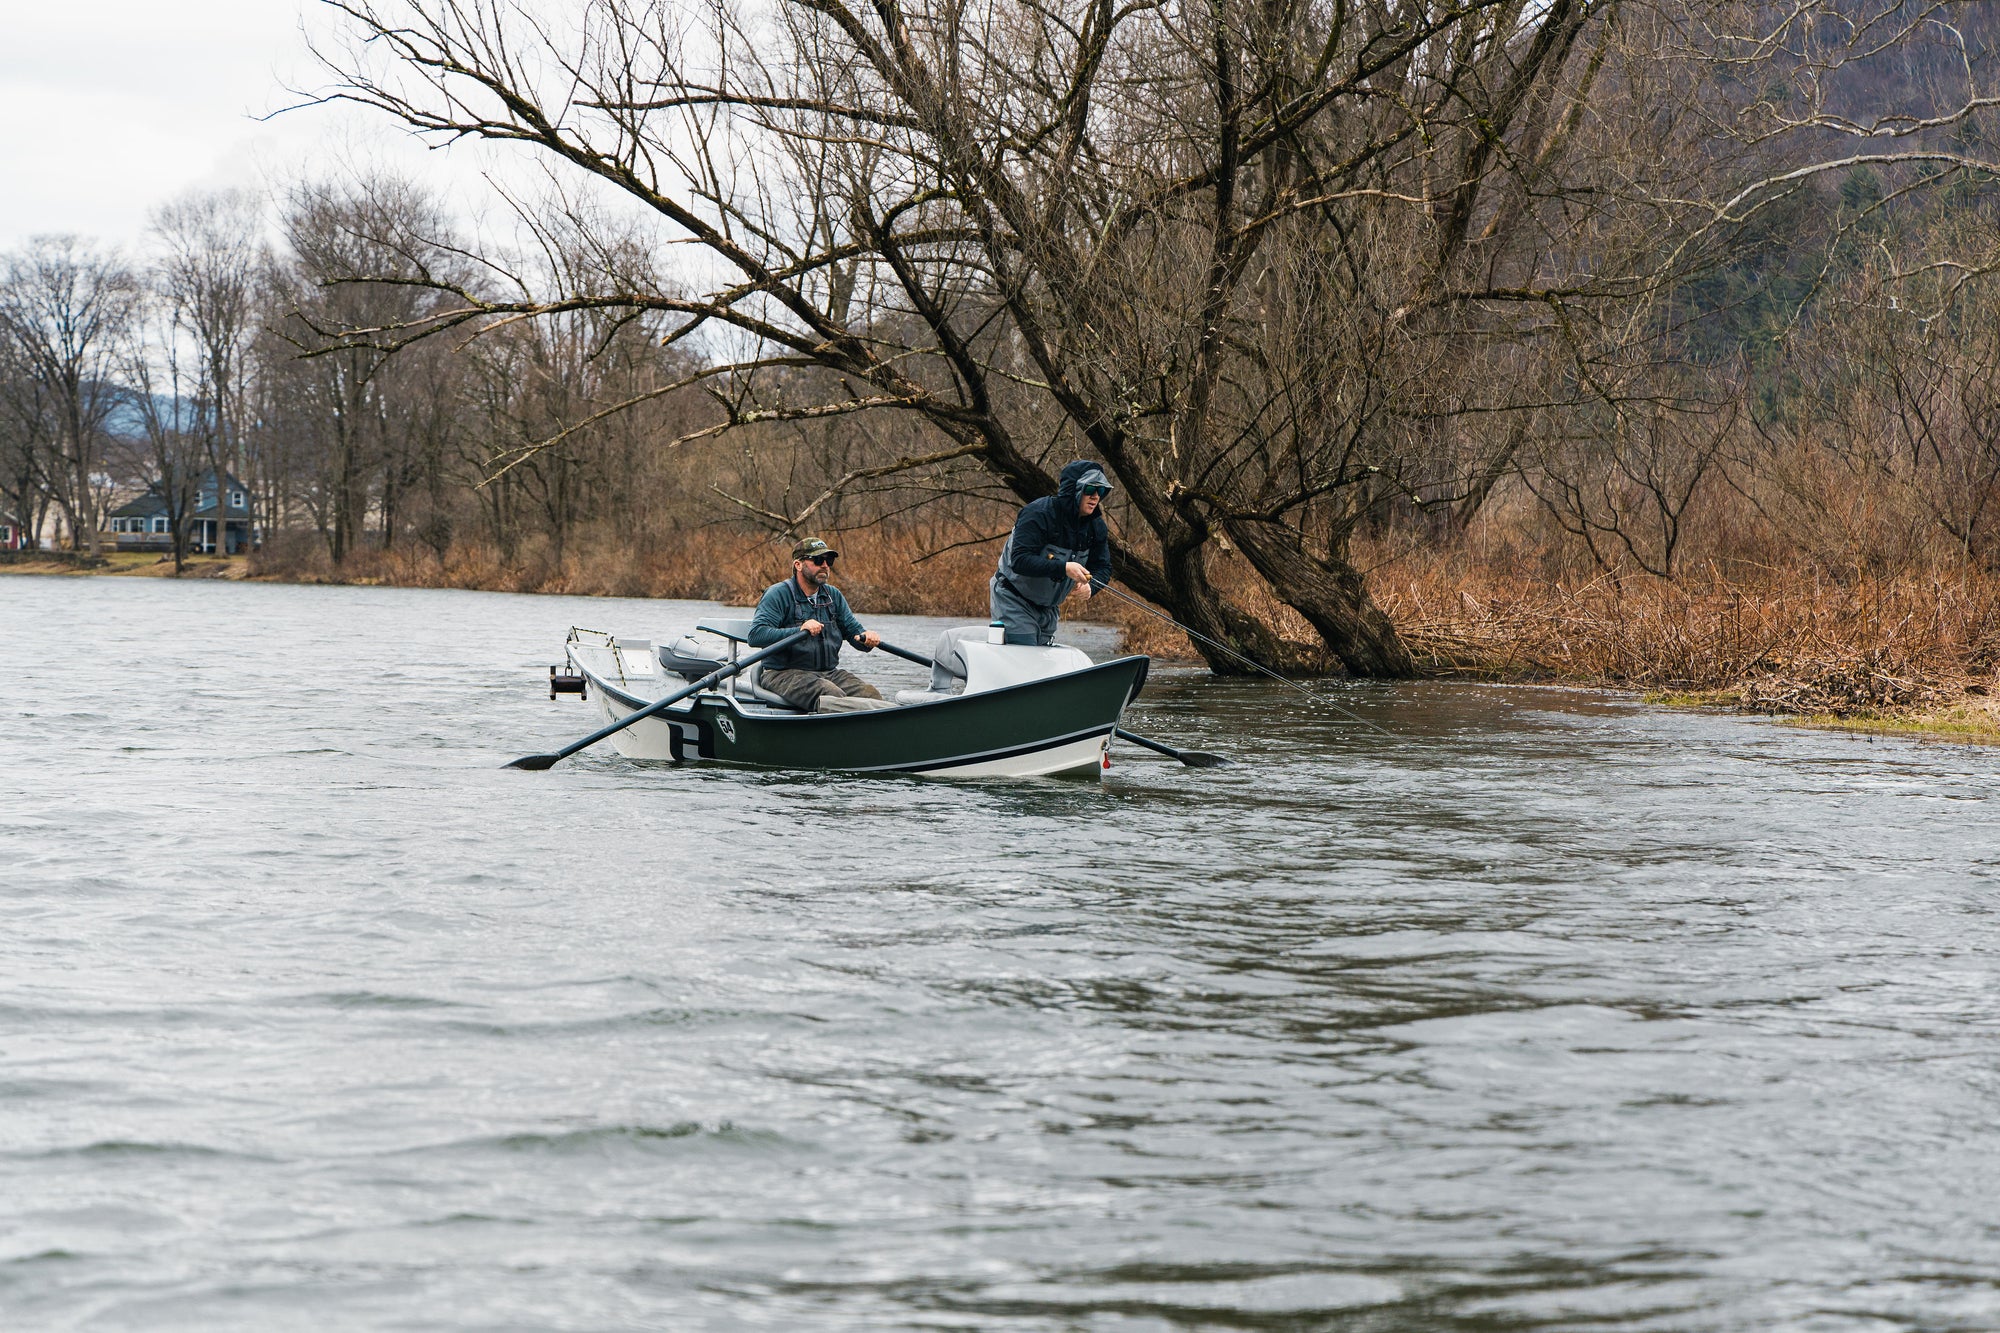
(27, 435)
(165, 376)
(1271, 262)
(1886, 445)
(211, 255)
(1039, 232)
(583, 374)
(339, 396)
(67, 309)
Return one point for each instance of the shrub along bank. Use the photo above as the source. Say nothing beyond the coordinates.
(1916, 649)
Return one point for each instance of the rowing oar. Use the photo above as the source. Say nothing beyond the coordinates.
(537, 762)
(1192, 758)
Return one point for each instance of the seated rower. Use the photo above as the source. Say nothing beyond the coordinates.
(807, 674)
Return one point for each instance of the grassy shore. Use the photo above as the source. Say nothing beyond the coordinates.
(133, 564)
(1972, 719)
(1913, 653)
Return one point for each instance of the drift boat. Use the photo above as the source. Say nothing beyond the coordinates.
(994, 710)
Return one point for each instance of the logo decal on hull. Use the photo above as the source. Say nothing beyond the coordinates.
(728, 727)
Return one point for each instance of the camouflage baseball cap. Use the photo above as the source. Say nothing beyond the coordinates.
(811, 547)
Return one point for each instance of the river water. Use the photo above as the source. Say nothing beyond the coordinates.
(1545, 1010)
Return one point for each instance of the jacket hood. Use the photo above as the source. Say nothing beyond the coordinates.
(1066, 498)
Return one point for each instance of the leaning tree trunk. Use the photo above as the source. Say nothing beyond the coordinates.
(1181, 586)
(1328, 592)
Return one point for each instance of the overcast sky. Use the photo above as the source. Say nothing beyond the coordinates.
(112, 107)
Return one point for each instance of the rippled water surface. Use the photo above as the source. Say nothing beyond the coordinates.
(1549, 1010)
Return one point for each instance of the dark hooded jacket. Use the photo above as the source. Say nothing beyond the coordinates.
(1048, 535)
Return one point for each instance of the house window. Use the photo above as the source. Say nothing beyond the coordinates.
(159, 525)
(237, 499)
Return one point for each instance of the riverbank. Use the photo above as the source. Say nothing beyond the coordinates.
(132, 564)
(1909, 654)
(1972, 719)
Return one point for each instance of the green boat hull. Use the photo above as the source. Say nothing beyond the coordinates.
(1057, 725)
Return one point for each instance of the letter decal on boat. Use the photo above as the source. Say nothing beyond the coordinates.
(728, 727)
(681, 736)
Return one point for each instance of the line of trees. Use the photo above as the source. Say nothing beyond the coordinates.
(1289, 267)
(215, 351)
(1653, 283)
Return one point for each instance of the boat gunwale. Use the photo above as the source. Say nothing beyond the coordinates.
(776, 715)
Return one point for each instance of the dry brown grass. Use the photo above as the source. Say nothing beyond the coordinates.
(1796, 641)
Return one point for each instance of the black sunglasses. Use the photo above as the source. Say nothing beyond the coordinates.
(823, 560)
(1097, 490)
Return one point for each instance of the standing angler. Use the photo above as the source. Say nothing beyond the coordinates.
(808, 674)
(1059, 543)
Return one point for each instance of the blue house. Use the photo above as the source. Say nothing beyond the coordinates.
(141, 524)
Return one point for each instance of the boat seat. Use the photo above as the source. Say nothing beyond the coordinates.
(745, 685)
(748, 686)
(684, 659)
(737, 631)
(691, 659)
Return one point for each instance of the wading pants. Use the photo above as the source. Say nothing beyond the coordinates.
(1025, 621)
(833, 691)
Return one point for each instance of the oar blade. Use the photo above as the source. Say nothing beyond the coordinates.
(535, 762)
(1191, 758)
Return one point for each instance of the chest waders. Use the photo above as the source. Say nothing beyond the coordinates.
(1029, 606)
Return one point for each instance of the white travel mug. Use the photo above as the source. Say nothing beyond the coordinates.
(996, 633)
